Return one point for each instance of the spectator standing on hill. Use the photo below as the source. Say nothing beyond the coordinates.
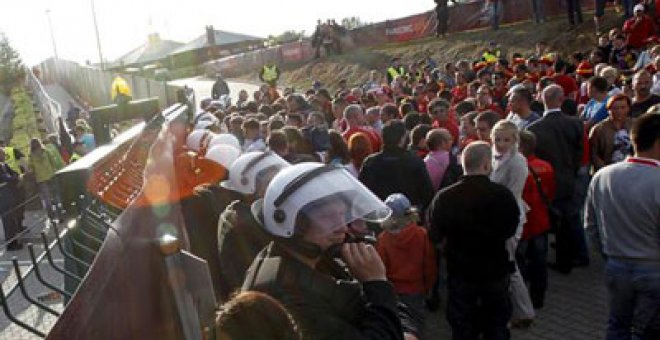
(538, 11)
(638, 28)
(442, 15)
(574, 11)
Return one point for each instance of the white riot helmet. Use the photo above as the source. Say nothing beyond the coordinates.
(306, 189)
(199, 139)
(225, 139)
(252, 168)
(224, 155)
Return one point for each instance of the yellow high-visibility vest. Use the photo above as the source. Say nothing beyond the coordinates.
(10, 159)
(270, 73)
(393, 72)
(491, 57)
(119, 85)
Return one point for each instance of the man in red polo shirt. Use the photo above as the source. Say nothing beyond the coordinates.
(439, 112)
(638, 28)
(354, 117)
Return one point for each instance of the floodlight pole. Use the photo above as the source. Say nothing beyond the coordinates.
(98, 39)
(52, 34)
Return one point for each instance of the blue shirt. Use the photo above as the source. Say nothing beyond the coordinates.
(88, 140)
(595, 111)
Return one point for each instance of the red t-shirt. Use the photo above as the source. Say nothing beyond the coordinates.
(495, 108)
(538, 219)
(458, 94)
(374, 138)
(637, 33)
(450, 126)
(567, 83)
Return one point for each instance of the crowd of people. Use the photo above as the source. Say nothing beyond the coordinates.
(355, 208)
(39, 164)
(345, 213)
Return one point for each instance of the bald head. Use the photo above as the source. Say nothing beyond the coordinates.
(553, 97)
(476, 158)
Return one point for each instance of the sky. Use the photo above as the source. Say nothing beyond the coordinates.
(124, 24)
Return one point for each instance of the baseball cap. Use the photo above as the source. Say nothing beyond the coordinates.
(400, 205)
(638, 7)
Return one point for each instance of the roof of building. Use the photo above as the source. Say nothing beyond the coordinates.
(221, 38)
(154, 49)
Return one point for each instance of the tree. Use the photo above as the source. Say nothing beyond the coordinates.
(287, 36)
(352, 23)
(12, 71)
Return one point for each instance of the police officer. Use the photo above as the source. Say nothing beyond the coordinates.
(270, 74)
(201, 208)
(395, 70)
(307, 209)
(14, 158)
(240, 237)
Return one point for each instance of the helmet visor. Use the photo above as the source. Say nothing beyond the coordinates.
(341, 199)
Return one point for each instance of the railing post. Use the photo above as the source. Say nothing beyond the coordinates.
(188, 317)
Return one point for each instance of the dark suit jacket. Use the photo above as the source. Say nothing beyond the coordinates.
(398, 171)
(559, 141)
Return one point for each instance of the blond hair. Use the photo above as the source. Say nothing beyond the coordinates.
(505, 126)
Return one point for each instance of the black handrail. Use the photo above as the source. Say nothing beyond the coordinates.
(37, 271)
(21, 286)
(12, 318)
(49, 257)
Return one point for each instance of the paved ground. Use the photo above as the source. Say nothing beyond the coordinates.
(202, 87)
(575, 309)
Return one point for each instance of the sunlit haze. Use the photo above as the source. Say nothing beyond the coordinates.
(125, 24)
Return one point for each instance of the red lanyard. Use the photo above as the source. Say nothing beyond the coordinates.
(642, 161)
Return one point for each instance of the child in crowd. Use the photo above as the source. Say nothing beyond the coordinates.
(408, 256)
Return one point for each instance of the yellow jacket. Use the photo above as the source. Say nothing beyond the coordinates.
(119, 85)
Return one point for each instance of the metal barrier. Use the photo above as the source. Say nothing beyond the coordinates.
(50, 109)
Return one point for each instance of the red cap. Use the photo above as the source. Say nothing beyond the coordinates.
(585, 69)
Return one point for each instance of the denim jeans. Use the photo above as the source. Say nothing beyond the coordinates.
(532, 255)
(634, 290)
(478, 307)
(415, 304)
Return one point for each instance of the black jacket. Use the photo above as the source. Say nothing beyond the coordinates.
(475, 217)
(397, 171)
(8, 188)
(201, 213)
(240, 238)
(559, 140)
(220, 88)
(327, 302)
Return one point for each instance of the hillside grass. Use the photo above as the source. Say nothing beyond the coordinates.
(518, 37)
(24, 123)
